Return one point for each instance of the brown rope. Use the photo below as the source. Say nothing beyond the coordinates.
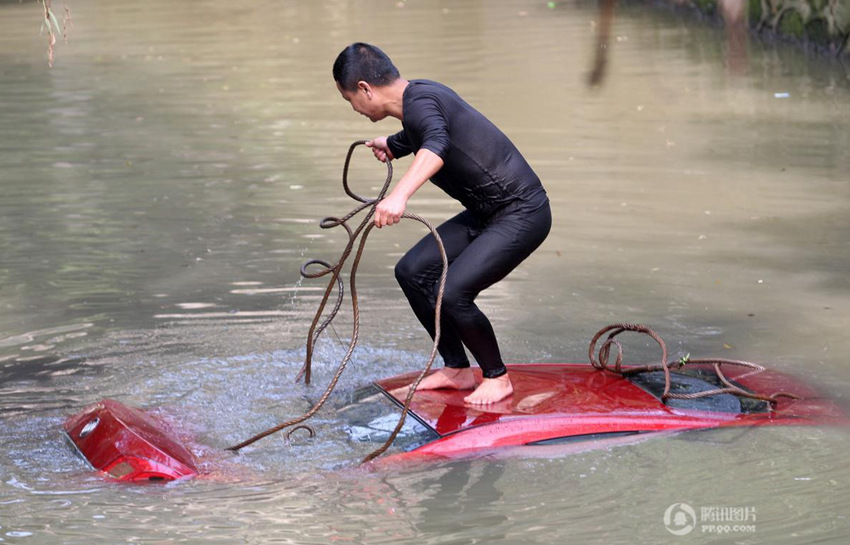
(336, 269)
(365, 228)
(301, 427)
(665, 366)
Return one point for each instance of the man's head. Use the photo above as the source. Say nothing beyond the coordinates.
(363, 62)
(361, 71)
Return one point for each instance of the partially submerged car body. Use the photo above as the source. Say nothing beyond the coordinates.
(567, 403)
(555, 409)
(128, 444)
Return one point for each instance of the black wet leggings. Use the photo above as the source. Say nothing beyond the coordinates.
(480, 254)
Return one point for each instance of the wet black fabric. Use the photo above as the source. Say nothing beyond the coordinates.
(481, 167)
(480, 253)
(507, 217)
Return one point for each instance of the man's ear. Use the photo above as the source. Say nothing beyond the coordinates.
(362, 86)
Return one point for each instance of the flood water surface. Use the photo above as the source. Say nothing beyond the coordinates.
(162, 184)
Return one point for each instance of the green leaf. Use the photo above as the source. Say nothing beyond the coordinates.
(55, 22)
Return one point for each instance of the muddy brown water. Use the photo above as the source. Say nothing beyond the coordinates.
(162, 184)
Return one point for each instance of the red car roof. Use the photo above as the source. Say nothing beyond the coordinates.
(568, 400)
(539, 390)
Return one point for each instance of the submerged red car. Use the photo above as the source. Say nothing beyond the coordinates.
(561, 404)
(552, 405)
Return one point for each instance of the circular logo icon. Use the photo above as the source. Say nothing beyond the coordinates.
(680, 519)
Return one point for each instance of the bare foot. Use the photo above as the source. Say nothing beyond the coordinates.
(490, 391)
(448, 378)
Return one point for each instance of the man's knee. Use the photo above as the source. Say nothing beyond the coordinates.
(404, 272)
(455, 302)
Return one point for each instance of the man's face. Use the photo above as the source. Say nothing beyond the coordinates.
(364, 101)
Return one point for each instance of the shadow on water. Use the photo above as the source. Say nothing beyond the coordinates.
(40, 368)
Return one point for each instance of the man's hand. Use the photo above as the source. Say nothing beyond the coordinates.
(380, 149)
(390, 209)
(424, 165)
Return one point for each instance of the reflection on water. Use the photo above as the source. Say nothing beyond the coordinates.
(161, 186)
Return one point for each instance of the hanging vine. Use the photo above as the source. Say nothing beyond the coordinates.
(51, 24)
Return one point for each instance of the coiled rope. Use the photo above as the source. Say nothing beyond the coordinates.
(665, 366)
(362, 232)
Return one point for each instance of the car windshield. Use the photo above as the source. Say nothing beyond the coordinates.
(371, 416)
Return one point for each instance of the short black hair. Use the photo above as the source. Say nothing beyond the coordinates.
(363, 62)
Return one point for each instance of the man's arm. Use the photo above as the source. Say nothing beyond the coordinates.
(398, 144)
(424, 166)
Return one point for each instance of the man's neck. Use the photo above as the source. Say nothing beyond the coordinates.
(394, 97)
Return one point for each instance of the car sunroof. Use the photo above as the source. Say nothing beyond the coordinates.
(689, 381)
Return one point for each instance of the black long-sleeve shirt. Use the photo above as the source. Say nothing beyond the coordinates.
(481, 167)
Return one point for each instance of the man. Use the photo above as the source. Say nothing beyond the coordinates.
(506, 214)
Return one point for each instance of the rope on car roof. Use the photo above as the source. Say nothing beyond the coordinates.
(728, 386)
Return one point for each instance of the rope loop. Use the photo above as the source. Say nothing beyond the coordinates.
(616, 329)
(347, 188)
(604, 353)
(330, 222)
(328, 268)
(301, 427)
(728, 387)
